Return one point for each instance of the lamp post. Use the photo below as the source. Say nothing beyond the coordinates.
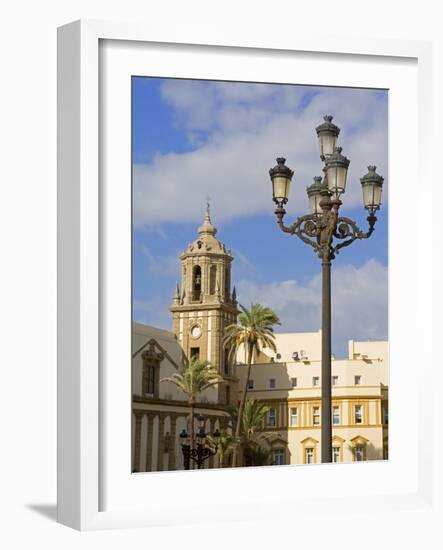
(326, 232)
(200, 452)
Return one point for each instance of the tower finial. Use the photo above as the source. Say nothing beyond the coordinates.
(207, 226)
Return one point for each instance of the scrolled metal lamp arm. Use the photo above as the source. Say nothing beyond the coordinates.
(319, 231)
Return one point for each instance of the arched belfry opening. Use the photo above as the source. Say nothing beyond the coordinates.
(227, 283)
(196, 283)
(212, 279)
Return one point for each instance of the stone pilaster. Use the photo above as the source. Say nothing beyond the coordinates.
(171, 450)
(137, 441)
(161, 442)
(149, 442)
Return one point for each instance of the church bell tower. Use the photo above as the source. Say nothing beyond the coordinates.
(204, 304)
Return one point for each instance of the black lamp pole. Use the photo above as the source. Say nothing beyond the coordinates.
(326, 232)
(200, 452)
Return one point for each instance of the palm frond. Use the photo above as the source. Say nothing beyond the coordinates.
(196, 376)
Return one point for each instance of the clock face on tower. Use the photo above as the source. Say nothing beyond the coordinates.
(196, 331)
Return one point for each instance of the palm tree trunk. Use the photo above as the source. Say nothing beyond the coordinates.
(191, 422)
(241, 409)
(191, 426)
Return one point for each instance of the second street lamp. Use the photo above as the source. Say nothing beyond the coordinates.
(201, 451)
(326, 232)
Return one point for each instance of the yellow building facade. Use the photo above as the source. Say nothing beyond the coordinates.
(289, 383)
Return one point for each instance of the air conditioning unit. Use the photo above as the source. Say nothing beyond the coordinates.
(303, 355)
(295, 356)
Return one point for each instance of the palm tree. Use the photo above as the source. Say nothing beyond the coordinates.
(254, 414)
(252, 433)
(224, 448)
(259, 456)
(254, 330)
(195, 377)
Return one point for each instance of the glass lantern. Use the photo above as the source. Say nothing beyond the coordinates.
(327, 134)
(216, 435)
(184, 437)
(315, 194)
(336, 172)
(372, 184)
(201, 436)
(281, 176)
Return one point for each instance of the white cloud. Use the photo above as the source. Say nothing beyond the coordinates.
(164, 265)
(153, 312)
(359, 303)
(237, 130)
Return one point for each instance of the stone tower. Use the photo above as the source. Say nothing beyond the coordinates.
(204, 305)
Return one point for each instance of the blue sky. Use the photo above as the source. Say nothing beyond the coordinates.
(193, 139)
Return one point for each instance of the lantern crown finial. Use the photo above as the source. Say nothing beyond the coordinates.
(281, 169)
(372, 176)
(328, 127)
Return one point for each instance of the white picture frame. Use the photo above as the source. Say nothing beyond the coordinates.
(93, 490)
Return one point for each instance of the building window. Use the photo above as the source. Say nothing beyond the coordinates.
(250, 384)
(196, 283)
(149, 379)
(212, 279)
(294, 416)
(294, 382)
(359, 453)
(335, 415)
(316, 416)
(309, 455)
(334, 380)
(316, 381)
(358, 414)
(335, 454)
(272, 417)
(195, 352)
(228, 395)
(151, 370)
(357, 380)
(272, 383)
(278, 457)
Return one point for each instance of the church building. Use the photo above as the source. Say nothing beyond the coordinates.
(202, 306)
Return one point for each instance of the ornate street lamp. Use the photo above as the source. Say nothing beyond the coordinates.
(201, 451)
(326, 232)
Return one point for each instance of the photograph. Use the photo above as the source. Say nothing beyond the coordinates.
(259, 274)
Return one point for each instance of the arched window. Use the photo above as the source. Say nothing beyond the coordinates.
(151, 370)
(212, 279)
(227, 283)
(196, 283)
